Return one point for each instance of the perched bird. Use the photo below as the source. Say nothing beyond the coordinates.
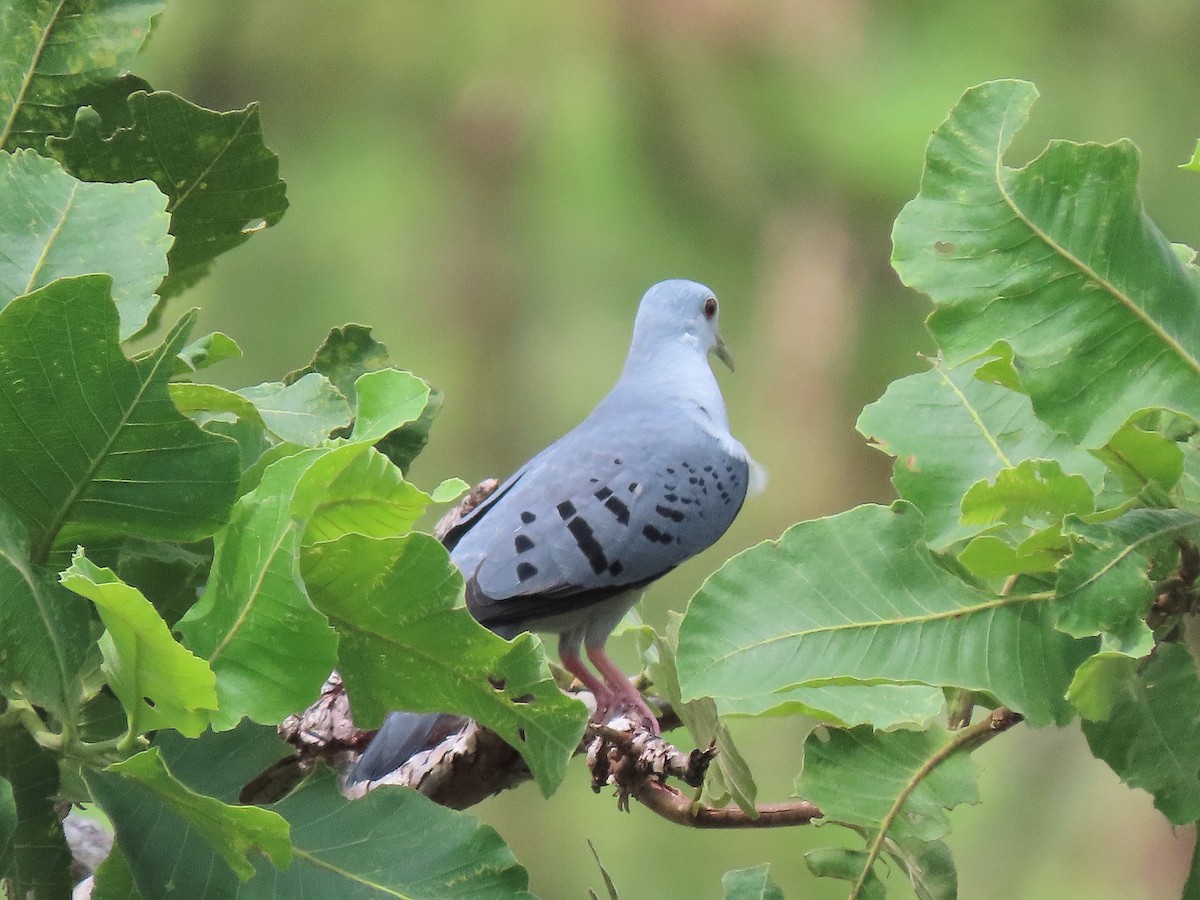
(567, 544)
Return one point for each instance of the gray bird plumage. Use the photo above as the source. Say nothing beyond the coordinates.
(650, 478)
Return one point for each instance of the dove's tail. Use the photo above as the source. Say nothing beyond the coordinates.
(401, 735)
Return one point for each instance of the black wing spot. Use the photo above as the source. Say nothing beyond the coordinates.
(615, 568)
(523, 542)
(566, 509)
(675, 515)
(725, 496)
(525, 571)
(671, 498)
(693, 480)
(603, 494)
(651, 533)
(618, 509)
(686, 501)
(594, 480)
(633, 487)
(617, 461)
(670, 471)
(528, 517)
(708, 468)
(588, 544)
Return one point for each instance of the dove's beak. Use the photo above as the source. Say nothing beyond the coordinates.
(723, 354)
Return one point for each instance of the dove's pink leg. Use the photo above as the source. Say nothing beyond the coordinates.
(621, 687)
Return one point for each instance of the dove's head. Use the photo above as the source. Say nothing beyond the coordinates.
(679, 310)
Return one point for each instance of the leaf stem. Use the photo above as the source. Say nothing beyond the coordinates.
(972, 737)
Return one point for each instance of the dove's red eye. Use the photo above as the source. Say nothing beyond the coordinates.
(710, 307)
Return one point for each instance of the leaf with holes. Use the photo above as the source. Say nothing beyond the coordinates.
(54, 226)
(949, 430)
(858, 597)
(404, 643)
(94, 449)
(1058, 260)
(160, 684)
(222, 181)
(54, 56)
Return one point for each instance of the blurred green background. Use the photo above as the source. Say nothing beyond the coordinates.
(493, 185)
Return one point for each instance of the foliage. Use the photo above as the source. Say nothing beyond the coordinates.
(181, 565)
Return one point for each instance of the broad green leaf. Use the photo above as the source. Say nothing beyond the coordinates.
(847, 865)
(731, 777)
(859, 597)
(949, 430)
(125, 791)
(1145, 463)
(990, 556)
(222, 181)
(856, 776)
(160, 684)
(254, 624)
(1098, 683)
(751, 884)
(302, 413)
(929, 866)
(94, 448)
(884, 706)
(1103, 585)
(8, 826)
(385, 401)
(113, 880)
(169, 576)
(1152, 737)
(1034, 490)
(45, 633)
(370, 497)
(53, 226)
(1056, 258)
(349, 849)
(203, 401)
(52, 53)
(405, 643)
(207, 351)
(41, 861)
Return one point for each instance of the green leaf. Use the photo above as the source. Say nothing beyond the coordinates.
(222, 181)
(160, 684)
(385, 401)
(41, 862)
(171, 577)
(370, 497)
(207, 351)
(348, 849)
(405, 643)
(53, 53)
(126, 789)
(1146, 464)
(302, 413)
(990, 556)
(94, 447)
(751, 884)
(114, 879)
(855, 776)
(254, 624)
(53, 226)
(884, 706)
(346, 353)
(846, 865)
(1104, 584)
(206, 401)
(731, 776)
(1099, 682)
(1035, 489)
(1058, 259)
(1152, 737)
(929, 867)
(1193, 164)
(859, 597)
(949, 430)
(8, 827)
(45, 633)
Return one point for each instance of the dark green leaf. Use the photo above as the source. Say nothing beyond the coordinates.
(45, 633)
(126, 791)
(41, 862)
(171, 577)
(346, 353)
(1152, 737)
(222, 181)
(882, 705)
(751, 884)
(94, 447)
(949, 431)
(847, 865)
(160, 684)
(8, 827)
(207, 351)
(859, 597)
(1057, 259)
(304, 412)
(53, 54)
(404, 643)
(929, 867)
(53, 226)
(114, 879)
